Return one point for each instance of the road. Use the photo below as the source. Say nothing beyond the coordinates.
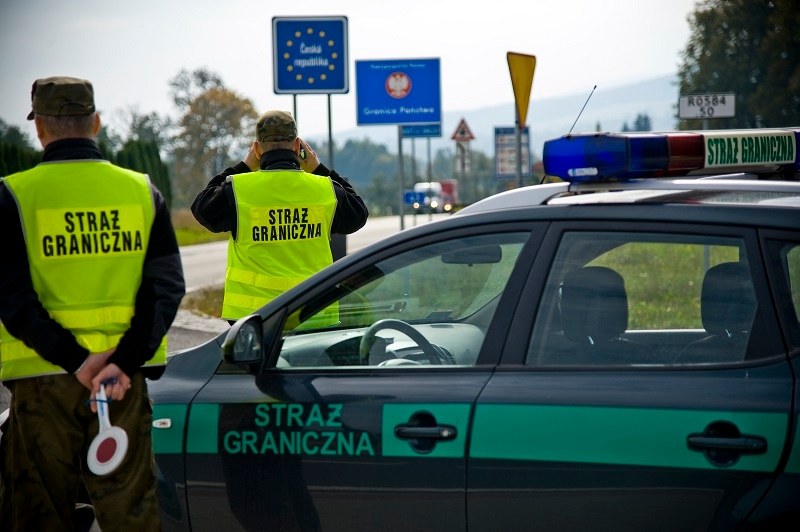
(204, 264)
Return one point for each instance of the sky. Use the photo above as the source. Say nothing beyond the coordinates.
(130, 50)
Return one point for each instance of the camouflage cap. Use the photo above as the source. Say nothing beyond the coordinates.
(276, 126)
(61, 96)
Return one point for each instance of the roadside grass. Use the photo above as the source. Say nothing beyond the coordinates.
(663, 281)
(205, 302)
(189, 231)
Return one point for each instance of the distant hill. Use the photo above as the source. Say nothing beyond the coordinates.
(548, 118)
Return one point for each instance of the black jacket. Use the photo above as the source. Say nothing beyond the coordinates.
(215, 208)
(157, 299)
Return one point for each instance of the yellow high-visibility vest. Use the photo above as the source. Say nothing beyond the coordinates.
(86, 226)
(284, 222)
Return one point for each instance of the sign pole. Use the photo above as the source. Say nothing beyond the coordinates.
(330, 133)
(309, 56)
(518, 135)
(401, 178)
(521, 68)
(338, 241)
(430, 168)
(413, 159)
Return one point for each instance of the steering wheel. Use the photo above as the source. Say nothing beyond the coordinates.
(368, 340)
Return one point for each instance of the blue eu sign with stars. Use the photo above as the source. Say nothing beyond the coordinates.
(310, 55)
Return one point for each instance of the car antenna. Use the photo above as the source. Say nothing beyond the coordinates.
(573, 124)
(581, 112)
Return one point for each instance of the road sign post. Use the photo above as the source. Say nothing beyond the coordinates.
(310, 55)
(506, 148)
(521, 68)
(402, 91)
(463, 136)
(398, 91)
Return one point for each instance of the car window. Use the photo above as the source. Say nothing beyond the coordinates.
(430, 305)
(792, 262)
(646, 299)
(783, 258)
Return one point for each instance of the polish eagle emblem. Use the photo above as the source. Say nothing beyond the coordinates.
(398, 85)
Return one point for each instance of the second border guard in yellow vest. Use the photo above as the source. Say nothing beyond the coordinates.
(281, 206)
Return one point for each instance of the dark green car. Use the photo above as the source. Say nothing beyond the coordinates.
(615, 353)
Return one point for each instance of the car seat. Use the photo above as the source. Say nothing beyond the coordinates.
(727, 308)
(593, 306)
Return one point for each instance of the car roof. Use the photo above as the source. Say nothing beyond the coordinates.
(739, 191)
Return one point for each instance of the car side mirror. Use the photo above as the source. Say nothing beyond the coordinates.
(243, 344)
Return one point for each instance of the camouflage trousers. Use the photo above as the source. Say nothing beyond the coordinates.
(43, 452)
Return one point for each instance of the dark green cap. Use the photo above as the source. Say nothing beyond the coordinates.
(276, 126)
(61, 96)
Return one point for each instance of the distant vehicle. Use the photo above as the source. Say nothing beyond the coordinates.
(432, 201)
(450, 198)
(440, 196)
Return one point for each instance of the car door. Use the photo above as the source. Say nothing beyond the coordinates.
(623, 407)
(358, 415)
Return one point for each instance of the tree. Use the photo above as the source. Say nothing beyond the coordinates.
(216, 131)
(13, 135)
(109, 143)
(16, 152)
(642, 122)
(186, 86)
(143, 156)
(381, 195)
(149, 127)
(751, 49)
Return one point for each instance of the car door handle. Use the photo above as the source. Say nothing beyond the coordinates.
(437, 432)
(743, 444)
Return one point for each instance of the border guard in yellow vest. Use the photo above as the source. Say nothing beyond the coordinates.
(89, 285)
(281, 206)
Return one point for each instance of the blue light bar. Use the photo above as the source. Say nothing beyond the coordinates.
(623, 156)
(578, 158)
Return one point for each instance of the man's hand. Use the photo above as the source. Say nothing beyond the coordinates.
(253, 157)
(119, 383)
(310, 163)
(94, 363)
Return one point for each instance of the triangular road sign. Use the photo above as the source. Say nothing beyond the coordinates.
(521, 67)
(463, 133)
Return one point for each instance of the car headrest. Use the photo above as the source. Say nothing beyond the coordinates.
(727, 300)
(593, 305)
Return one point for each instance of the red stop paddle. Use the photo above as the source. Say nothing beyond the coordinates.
(108, 448)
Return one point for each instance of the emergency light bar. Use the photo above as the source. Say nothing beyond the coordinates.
(623, 156)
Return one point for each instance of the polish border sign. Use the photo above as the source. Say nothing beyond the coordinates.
(399, 91)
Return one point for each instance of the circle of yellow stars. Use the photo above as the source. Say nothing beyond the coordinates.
(290, 68)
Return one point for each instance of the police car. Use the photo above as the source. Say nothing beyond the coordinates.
(617, 351)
